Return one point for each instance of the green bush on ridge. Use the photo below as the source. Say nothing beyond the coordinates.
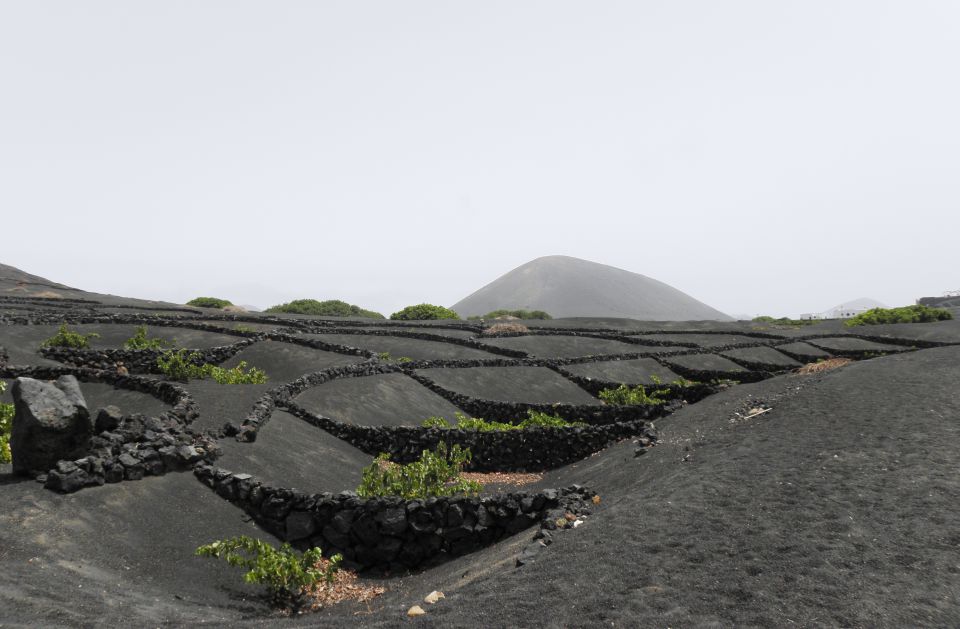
(436, 473)
(6, 425)
(209, 302)
(633, 396)
(329, 308)
(904, 314)
(141, 341)
(68, 338)
(785, 321)
(422, 312)
(180, 365)
(286, 572)
(534, 419)
(400, 359)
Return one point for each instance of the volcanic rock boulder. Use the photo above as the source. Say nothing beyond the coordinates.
(51, 423)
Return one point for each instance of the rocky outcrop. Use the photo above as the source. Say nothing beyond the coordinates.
(51, 423)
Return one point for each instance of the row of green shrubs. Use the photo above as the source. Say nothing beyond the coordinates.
(339, 308)
(785, 321)
(329, 308)
(179, 365)
(904, 314)
(534, 419)
(65, 337)
(874, 316)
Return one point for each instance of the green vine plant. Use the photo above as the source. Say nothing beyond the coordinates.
(68, 338)
(436, 473)
(140, 340)
(6, 425)
(633, 396)
(287, 573)
(385, 356)
(180, 365)
(534, 419)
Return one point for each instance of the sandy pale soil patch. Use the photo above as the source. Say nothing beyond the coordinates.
(823, 365)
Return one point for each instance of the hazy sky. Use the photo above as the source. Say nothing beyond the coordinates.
(764, 157)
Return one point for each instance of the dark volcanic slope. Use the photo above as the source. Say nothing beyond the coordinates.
(528, 384)
(17, 283)
(837, 507)
(389, 400)
(570, 287)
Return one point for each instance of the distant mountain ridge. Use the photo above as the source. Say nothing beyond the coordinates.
(570, 287)
(17, 283)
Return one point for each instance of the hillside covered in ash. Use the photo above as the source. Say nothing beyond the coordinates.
(764, 475)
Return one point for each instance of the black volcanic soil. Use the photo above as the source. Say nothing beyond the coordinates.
(838, 507)
(393, 399)
(399, 347)
(638, 371)
(516, 384)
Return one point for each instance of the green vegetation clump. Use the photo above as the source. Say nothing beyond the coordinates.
(905, 314)
(421, 312)
(437, 473)
(519, 314)
(633, 396)
(180, 365)
(329, 308)
(399, 359)
(68, 338)
(286, 572)
(141, 341)
(785, 321)
(209, 302)
(534, 419)
(6, 425)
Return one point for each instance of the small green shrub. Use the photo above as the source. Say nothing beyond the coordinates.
(6, 425)
(785, 321)
(679, 382)
(435, 474)
(905, 314)
(286, 572)
(141, 341)
(436, 422)
(329, 308)
(400, 359)
(180, 365)
(519, 314)
(209, 302)
(633, 396)
(68, 338)
(534, 419)
(237, 375)
(422, 312)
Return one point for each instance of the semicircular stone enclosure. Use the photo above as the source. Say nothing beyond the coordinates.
(290, 452)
